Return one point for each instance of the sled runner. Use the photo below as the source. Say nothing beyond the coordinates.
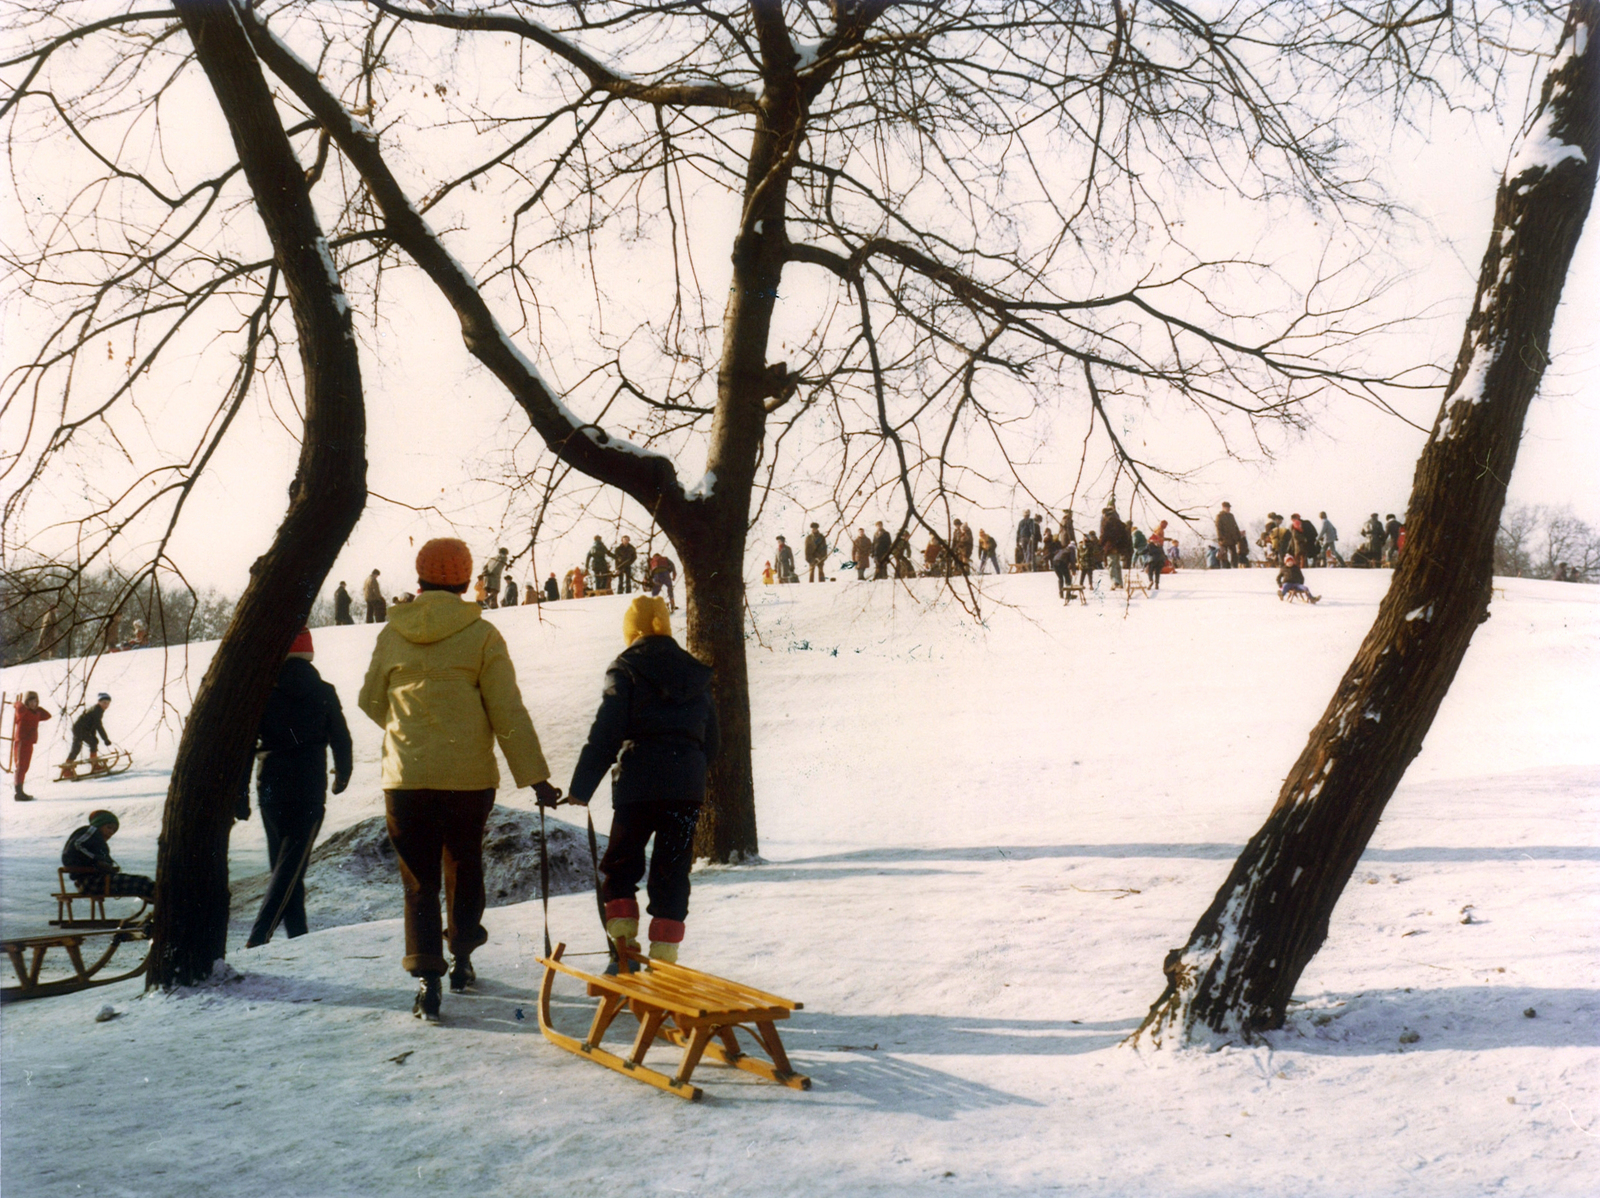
(27, 956)
(67, 894)
(682, 1007)
(113, 761)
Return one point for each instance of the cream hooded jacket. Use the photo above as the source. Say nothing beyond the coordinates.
(442, 687)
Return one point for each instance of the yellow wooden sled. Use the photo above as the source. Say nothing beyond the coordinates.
(680, 1006)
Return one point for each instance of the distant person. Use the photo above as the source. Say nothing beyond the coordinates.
(1213, 560)
(1291, 581)
(302, 721)
(1373, 532)
(963, 546)
(785, 562)
(530, 593)
(1027, 539)
(341, 605)
(1064, 563)
(47, 630)
(1067, 535)
(658, 722)
(623, 557)
(1228, 537)
(768, 574)
(663, 572)
(372, 596)
(900, 554)
(94, 869)
(598, 562)
(882, 546)
(1154, 561)
(552, 589)
(816, 551)
(988, 553)
(480, 590)
(1116, 543)
(26, 716)
(1330, 538)
(442, 687)
(90, 729)
(492, 570)
(861, 553)
(509, 598)
(1391, 538)
(1302, 540)
(1090, 558)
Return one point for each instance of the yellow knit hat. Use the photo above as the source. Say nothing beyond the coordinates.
(646, 616)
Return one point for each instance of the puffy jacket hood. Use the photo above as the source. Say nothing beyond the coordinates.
(664, 664)
(434, 616)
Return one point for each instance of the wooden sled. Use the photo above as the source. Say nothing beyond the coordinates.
(680, 1006)
(28, 954)
(67, 893)
(108, 764)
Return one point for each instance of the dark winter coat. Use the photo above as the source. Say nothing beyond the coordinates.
(598, 560)
(89, 725)
(1391, 532)
(861, 552)
(303, 720)
(816, 548)
(881, 546)
(341, 606)
(1114, 535)
(87, 849)
(623, 556)
(1291, 576)
(552, 592)
(1302, 540)
(785, 562)
(657, 722)
(1228, 534)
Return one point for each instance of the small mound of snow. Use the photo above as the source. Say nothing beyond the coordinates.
(354, 876)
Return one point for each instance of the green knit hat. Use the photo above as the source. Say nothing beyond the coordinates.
(101, 819)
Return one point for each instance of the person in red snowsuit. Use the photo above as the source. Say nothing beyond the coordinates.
(24, 735)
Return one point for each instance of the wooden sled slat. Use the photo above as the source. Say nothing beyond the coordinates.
(27, 957)
(680, 1006)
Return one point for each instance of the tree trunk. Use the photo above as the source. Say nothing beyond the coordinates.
(1235, 975)
(714, 582)
(325, 500)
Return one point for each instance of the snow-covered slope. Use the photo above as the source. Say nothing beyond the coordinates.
(979, 842)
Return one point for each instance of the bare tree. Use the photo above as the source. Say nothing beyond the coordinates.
(1236, 973)
(942, 224)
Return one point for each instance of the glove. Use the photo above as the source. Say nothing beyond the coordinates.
(339, 784)
(547, 795)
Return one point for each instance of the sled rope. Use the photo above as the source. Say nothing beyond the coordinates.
(544, 879)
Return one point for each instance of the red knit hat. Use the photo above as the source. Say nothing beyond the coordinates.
(302, 645)
(445, 561)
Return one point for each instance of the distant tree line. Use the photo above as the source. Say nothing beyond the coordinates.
(1538, 541)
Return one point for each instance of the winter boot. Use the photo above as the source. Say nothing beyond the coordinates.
(665, 936)
(23, 796)
(622, 928)
(426, 1006)
(462, 975)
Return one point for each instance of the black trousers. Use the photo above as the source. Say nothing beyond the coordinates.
(438, 837)
(291, 830)
(632, 825)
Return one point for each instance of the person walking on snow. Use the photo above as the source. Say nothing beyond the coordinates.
(442, 687)
(1228, 537)
(509, 598)
(987, 547)
(1116, 543)
(372, 596)
(303, 720)
(816, 551)
(861, 553)
(882, 546)
(86, 854)
(623, 557)
(785, 559)
(341, 605)
(663, 571)
(598, 562)
(1027, 539)
(963, 542)
(1330, 538)
(492, 570)
(25, 720)
(658, 722)
(552, 589)
(90, 729)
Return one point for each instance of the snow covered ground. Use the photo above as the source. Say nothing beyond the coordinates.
(979, 843)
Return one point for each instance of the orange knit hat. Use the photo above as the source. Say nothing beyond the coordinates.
(445, 561)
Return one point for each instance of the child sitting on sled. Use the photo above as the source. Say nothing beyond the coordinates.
(1292, 581)
(86, 853)
(657, 713)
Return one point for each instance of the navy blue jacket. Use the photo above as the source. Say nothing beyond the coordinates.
(303, 720)
(657, 721)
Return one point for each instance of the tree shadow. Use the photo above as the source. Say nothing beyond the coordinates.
(1456, 1018)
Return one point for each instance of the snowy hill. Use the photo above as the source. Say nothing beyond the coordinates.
(979, 842)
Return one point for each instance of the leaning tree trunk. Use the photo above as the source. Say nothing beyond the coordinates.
(325, 500)
(1235, 975)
